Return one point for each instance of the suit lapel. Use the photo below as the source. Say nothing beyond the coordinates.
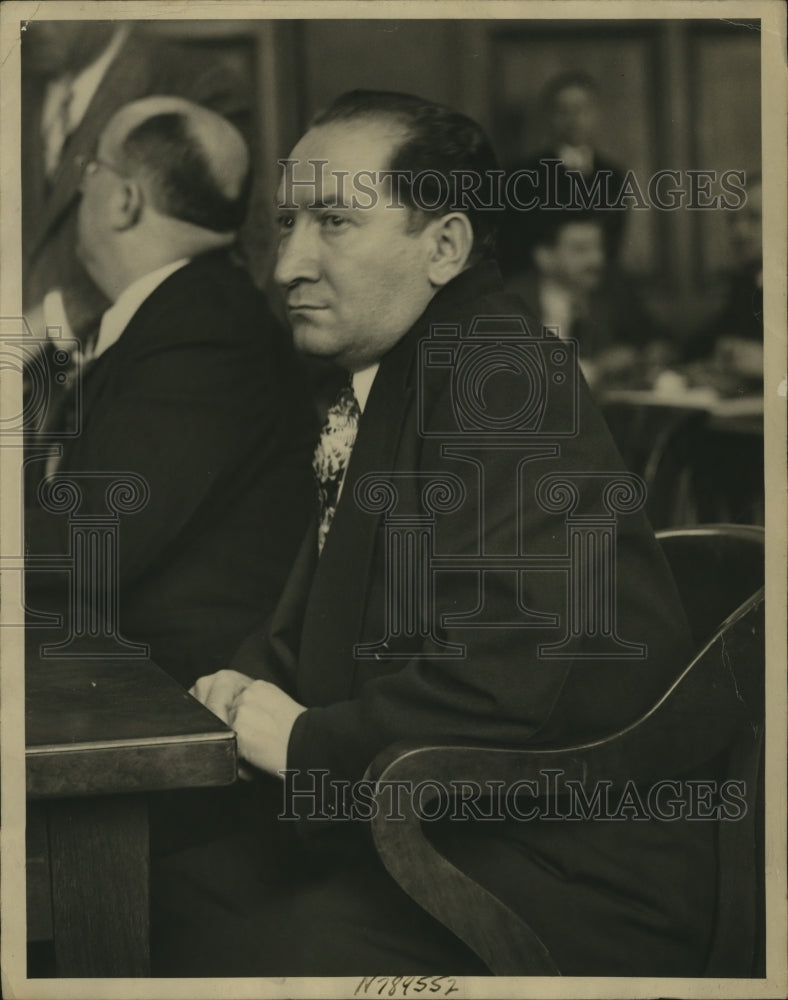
(285, 627)
(97, 374)
(101, 372)
(337, 599)
(93, 380)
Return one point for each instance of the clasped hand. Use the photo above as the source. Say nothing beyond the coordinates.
(261, 714)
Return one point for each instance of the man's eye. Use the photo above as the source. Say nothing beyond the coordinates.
(330, 221)
(285, 221)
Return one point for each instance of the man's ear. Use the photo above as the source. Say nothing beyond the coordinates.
(125, 208)
(450, 241)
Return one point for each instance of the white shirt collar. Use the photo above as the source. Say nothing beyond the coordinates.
(85, 84)
(556, 306)
(577, 157)
(119, 315)
(362, 384)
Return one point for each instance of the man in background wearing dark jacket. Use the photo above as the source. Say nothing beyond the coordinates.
(191, 389)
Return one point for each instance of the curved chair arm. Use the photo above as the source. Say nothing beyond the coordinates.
(715, 567)
(504, 941)
(698, 718)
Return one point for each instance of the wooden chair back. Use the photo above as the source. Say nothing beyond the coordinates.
(716, 568)
(714, 711)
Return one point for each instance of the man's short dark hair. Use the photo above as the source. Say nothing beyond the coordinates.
(439, 144)
(181, 180)
(549, 225)
(572, 78)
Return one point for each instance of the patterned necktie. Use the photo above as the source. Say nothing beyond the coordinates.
(57, 127)
(332, 456)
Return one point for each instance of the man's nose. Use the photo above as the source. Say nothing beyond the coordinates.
(298, 254)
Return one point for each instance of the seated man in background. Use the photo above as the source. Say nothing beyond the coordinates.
(192, 387)
(569, 106)
(733, 339)
(726, 356)
(570, 286)
(410, 302)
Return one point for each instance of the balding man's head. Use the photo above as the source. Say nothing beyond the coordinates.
(169, 180)
(193, 164)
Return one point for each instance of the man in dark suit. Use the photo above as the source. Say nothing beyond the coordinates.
(457, 441)
(571, 287)
(727, 352)
(569, 173)
(76, 75)
(191, 387)
(734, 335)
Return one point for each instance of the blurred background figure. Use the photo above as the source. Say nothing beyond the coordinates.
(75, 75)
(571, 286)
(733, 339)
(725, 358)
(569, 105)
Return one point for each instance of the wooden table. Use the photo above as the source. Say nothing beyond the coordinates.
(739, 408)
(100, 734)
(701, 455)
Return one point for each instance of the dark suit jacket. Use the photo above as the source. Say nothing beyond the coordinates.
(203, 397)
(616, 315)
(741, 315)
(144, 66)
(502, 691)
